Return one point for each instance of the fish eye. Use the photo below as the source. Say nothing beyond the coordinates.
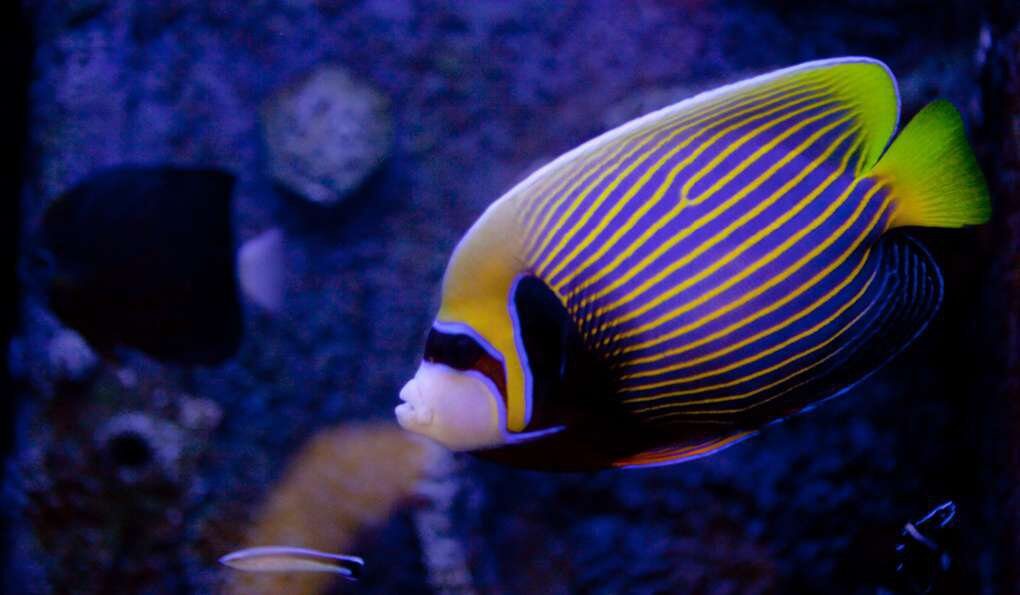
(457, 351)
(463, 352)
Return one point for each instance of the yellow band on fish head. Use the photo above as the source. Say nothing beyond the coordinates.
(477, 293)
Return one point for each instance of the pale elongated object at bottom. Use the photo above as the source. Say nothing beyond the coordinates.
(293, 559)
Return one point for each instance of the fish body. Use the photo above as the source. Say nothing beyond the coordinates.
(293, 559)
(670, 287)
(144, 257)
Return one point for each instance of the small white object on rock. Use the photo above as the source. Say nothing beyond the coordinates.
(71, 359)
(198, 414)
(326, 134)
(260, 265)
(128, 378)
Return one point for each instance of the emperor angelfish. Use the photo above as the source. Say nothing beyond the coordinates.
(669, 288)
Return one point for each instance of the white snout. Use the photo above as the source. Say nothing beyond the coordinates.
(456, 409)
(413, 412)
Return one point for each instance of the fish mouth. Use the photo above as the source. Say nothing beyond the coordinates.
(414, 413)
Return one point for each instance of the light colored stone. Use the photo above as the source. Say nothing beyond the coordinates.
(260, 265)
(326, 134)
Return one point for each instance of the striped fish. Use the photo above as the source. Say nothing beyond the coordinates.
(668, 288)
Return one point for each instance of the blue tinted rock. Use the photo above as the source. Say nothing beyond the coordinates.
(326, 134)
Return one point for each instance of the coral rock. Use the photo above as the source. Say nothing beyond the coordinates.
(71, 358)
(342, 481)
(326, 134)
(141, 448)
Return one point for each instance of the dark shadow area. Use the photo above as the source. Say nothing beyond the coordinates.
(16, 43)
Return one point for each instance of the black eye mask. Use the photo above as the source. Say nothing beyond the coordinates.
(567, 379)
(462, 352)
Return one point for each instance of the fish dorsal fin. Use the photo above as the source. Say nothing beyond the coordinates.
(862, 89)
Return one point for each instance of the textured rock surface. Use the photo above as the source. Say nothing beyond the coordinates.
(71, 358)
(479, 91)
(325, 134)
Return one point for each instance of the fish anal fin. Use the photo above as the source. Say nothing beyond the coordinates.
(679, 453)
(902, 308)
(910, 304)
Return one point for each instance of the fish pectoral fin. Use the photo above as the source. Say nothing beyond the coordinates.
(679, 453)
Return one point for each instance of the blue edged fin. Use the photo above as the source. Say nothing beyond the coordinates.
(908, 300)
(932, 172)
(904, 304)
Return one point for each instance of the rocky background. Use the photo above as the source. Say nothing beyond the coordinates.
(366, 136)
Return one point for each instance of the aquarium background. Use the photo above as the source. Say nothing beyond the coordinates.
(136, 475)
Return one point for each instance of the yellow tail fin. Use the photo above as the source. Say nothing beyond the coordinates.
(934, 177)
